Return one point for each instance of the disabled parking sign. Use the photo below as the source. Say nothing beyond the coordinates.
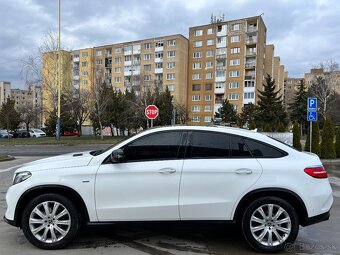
(312, 116)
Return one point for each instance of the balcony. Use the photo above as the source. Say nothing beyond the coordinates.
(220, 79)
(221, 57)
(159, 48)
(250, 65)
(76, 77)
(108, 55)
(220, 68)
(136, 72)
(249, 77)
(251, 29)
(127, 63)
(108, 65)
(127, 52)
(127, 72)
(158, 70)
(252, 40)
(219, 90)
(221, 44)
(217, 106)
(158, 60)
(250, 53)
(222, 33)
(76, 59)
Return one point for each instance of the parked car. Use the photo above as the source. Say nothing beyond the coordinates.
(174, 174)
(35, 133)
(70, 133)
(5, 134)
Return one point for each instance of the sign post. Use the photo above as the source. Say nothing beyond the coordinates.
(312, 116)
(151, 112)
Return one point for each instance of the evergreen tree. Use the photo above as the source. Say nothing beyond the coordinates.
(270, 110)
(247, 115)
(297, 109)
(296, 137)
(280, 128)
(315, 139)
(9, 117)
(165, 107)
(226, 112)
(327, 143)
(337, 143)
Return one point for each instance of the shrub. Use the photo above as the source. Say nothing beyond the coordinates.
(327, 143)
(280, 128)
(296, 137)
(337, 143)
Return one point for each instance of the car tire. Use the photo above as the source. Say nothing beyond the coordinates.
(50, 221)
(270, 224)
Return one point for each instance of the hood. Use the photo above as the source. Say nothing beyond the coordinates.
(75, 159)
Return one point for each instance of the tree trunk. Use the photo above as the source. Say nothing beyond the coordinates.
(101, 129)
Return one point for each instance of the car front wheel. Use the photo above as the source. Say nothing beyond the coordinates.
(50, 221)
(269, 224)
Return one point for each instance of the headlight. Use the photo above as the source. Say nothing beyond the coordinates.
(21, 176)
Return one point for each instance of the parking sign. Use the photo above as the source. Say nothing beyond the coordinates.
(312, 104)
(312, 116)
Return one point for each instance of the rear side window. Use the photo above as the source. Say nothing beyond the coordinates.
(261, 150)
(156, 146)
(208, 145)
(238, 148)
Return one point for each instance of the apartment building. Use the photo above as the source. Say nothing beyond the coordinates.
(226, 61)
(333, 78)
(5, 91)
(291, 87)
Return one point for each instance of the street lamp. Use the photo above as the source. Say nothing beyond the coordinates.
(59, 75)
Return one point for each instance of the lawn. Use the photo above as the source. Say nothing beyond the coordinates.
(5, 157)
(65, 140)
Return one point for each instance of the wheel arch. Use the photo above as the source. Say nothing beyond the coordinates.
(68, 192)
(289, 196)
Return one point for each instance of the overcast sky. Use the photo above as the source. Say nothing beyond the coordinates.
(304, 32)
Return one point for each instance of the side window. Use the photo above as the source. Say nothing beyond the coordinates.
(261, 150)
(238, 148)
(157, 146)
(209, 145)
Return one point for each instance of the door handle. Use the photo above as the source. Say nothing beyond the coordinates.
(167, 171)
(243, 171)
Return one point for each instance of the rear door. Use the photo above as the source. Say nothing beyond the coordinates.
(217, 170)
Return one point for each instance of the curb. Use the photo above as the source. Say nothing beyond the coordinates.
(9, 157)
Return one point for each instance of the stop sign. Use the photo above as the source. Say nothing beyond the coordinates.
(151, 111)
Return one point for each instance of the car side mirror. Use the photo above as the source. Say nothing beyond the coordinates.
(117, 156)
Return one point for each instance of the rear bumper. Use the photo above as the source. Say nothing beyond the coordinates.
(10, 222)
(316, 219)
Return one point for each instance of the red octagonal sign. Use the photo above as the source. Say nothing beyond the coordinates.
(151, 111)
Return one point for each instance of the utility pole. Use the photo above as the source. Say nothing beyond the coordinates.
(59, 75)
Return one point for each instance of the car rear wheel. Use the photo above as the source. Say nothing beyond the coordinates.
(269, 224)
(50, 221)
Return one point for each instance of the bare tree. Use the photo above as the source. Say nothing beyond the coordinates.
(29, 114)
(325, 85)
(182, 113)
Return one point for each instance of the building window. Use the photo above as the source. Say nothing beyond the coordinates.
(84, 74)
(208, 86)
(236, 27)
(84, 64)
(99, 53)
(210, 53)
(117, 69)
(233, 96)
(198, 32)
(220, 73)
(147, 46)
(172, 42)
(196, 98)
(118, 79)
(147, 77)
(234, 62)
(235, 38)
(195, 119)
(196, 108)
(170, 65)
(210, 42)
(196, 76)
(197, 65)
(207, 97)
(171, 87)
(84, 54)
(147, 67)
(233, 85)
(159, 44)
(207, 108)
(234, 73)
(249, 84)
(159, 55)
(207, 119)
(171, 54)
(208, 76)
(118, 60)
(170, 76)
(198, 44)
(118, 50)
(99, 62)
(147, 56)
(235, 50)
(248, 95)
(210, 31)
(196, 87)
(222, 39)
(84, 82)
(197, 54)
(208, 64)
(159, 65)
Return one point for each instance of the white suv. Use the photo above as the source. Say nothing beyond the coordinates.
(174, 174)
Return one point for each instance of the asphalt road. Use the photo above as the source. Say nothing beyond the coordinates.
(165, 238)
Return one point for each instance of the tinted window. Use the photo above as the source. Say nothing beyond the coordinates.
(238, 148)
(158, 146)
(261, 150)
(209, 145)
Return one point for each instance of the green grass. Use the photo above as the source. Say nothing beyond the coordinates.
(67, 140)
(5, 157)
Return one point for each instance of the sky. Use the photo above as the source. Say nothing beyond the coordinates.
(304, 32)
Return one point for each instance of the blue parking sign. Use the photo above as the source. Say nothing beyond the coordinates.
(312, 104)
(312, 116)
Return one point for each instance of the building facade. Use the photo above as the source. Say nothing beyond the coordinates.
(5, 91)
(291, 87)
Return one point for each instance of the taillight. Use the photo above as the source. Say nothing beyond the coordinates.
(318, 172)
